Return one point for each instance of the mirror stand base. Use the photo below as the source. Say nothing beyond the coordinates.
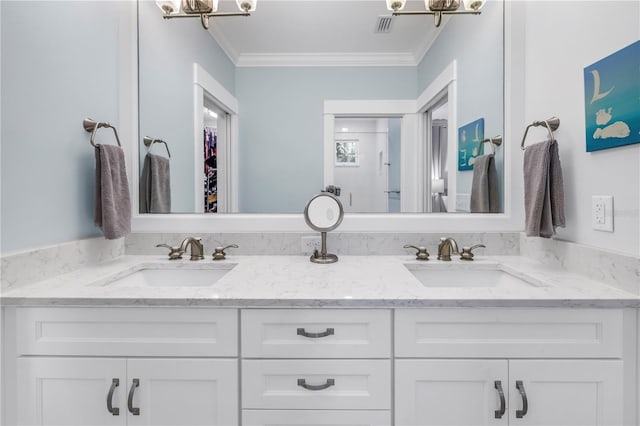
(323, 258)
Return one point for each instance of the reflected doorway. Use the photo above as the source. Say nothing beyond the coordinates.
(366, 169)
(439, 118)
(215, 141)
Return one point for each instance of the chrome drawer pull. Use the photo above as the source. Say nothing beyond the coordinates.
(499, 413)
(115, 411)
(302, 332)
(303, 383)
(133, 410)
(525, 403)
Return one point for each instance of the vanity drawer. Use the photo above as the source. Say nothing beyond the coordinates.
(316, 384)
(315, 417)
(127, 331)
(508, 333)
(316, 333)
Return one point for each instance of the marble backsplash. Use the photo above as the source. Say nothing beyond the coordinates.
(619, 270)
(26, 267)
(354, 244)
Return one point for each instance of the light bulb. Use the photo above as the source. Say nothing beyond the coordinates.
(247, 5)
(396, 5)
(169, 7)
(473, 4)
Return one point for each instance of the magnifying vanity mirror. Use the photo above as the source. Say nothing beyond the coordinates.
(323, 213)
(248, 136)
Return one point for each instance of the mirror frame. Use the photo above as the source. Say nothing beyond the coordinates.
(512, 220)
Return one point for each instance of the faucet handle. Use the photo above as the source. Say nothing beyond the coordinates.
(421, 254)
(466, 251)
(219, 254)
(174, 252)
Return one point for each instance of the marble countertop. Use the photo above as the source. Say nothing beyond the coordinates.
(293, 281)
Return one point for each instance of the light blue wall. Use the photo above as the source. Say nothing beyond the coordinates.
(475, 42)
(281, 126)
(60, 64)
(167, 50)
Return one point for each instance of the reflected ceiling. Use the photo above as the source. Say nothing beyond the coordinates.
(328, 28)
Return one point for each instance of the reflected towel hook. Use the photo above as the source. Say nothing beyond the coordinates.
(92, 127)
(149, 141)
(551, 124)
(495, 141)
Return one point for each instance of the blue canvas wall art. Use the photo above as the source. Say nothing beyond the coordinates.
(612, 99)
(470, 137)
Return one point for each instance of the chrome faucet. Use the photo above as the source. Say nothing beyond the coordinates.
(197, 250)
(446, 247)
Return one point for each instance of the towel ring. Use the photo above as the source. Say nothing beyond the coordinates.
(495, 141)
(148, 142)
(551, 124)
(92, 126)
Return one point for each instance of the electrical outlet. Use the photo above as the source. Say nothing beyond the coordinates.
(602, 212)
(310, 244)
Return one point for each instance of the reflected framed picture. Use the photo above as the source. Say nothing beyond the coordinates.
(347, 153)
(612, 100)
(470, 137)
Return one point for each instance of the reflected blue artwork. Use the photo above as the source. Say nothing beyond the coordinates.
(612, 100)
(470, 137)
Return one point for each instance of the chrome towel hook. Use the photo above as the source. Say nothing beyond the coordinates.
(551, 124)
(92, 126)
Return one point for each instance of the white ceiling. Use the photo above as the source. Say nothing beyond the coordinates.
(322, 32)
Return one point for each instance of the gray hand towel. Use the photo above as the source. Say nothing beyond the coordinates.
(112, 211)
(484, 186)
(155, 185)
(543, 190)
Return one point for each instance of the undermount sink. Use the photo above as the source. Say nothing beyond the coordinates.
(463, 276)
(170, 277)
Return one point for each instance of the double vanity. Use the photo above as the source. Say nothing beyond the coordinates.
(278, 340)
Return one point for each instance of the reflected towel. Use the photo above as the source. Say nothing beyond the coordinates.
(155, 185)
(484, 187)
(112, 207)
(543, 190)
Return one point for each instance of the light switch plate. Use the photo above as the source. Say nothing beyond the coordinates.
(602, 212)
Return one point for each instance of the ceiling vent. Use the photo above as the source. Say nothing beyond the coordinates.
(383, 24)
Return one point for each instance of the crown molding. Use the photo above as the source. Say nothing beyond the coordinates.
(224, 43)
(422, 50)
(327, 60)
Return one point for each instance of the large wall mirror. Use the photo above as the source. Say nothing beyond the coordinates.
(259, 147)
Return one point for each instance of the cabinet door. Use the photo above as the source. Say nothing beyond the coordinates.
(183, 392)
(63, 391)
(571, 392)
(450, 392)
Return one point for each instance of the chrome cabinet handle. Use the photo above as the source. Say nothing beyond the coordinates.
(525, 403)
(303, 383)
(503, 406)
(133, 410)
(115, 411)
(303, 332)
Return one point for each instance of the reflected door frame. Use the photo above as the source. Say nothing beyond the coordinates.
(443, 86)
(227, 157)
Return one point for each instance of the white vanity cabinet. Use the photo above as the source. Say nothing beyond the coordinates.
(126, 366)
(316, 366)
(537, 367)
(321, 367)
